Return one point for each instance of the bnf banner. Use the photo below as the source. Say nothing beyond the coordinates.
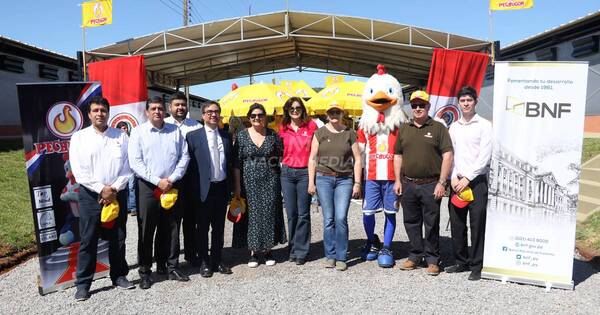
(50, 114)
(539, 110)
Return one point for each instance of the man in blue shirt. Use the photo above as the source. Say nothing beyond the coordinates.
(158, 155)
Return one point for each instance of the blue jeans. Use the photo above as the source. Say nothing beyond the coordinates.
(131, 204)
(334, 195)
(294, 185)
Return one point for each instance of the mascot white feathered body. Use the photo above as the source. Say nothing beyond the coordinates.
(378, 130)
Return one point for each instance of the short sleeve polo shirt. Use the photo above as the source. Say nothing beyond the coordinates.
(422, 148)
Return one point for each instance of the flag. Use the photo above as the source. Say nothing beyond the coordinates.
(96, 13)
(450, 71)
(510, 4)
(124, 85)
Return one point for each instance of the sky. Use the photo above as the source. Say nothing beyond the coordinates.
(55, 25)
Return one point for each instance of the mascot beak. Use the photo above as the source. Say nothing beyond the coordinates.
(381, 101)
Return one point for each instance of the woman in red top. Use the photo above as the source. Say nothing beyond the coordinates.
(296, 132)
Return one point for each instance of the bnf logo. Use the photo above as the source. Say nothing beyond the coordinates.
(63, 119)
(536, 109)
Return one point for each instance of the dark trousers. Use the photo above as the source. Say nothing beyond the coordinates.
(420, 209)
(190, 248)
(90, 230)
(294, 185)
(153, 218)
(210, 216)
(477, 211)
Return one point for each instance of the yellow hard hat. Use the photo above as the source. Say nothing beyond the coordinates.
(168, 198)
(237, 208)
(109, 212)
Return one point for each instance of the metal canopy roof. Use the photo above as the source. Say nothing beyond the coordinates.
(272, 42)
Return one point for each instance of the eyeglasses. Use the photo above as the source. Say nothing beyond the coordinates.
(257, 116)
(418, 105)
(297, 109)
(212, 112)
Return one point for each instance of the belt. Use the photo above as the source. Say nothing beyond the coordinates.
(335, 174)
(420, 181)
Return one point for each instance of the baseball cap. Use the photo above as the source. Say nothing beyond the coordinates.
(421, 95)
(335, 104)
(109, 213)
(463, 198)
(237, 208)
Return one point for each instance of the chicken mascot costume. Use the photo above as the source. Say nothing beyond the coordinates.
(382, 115)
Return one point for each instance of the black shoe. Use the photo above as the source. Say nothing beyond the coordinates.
(292, 259)
(161, 270)
(123, 283)
(222, 269)
(456, 269)
(145, 282)
(82, 294)
(177, 275)
(205, 271)
(300, 261)
(475, 275)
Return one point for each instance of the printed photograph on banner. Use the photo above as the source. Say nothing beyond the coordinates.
(539, 110)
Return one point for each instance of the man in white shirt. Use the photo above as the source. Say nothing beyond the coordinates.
(158, 155)
(472, 141)
(98, 157)
(178, 108)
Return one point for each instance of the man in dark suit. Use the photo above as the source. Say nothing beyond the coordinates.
(210, 150)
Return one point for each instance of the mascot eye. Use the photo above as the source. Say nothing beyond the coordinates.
(390, 90)
(371, 91)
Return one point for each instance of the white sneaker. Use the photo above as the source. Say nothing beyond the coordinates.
(269, 261)
(253, 262)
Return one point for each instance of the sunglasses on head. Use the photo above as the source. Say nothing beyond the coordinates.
(255, 116)
(418, 105)
(297, 109)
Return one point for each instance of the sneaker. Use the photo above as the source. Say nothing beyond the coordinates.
(408, 265)
(371, 249)
(385, 258)
(341, 265)
(433, 270)
(329, 263)
(82, 294)
(269, 260)
(253, 261)
(123, 283)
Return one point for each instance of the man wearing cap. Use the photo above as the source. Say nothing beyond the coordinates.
(98, 157)
(158, 155)
(472, 141)
(178, 108)
(210, 162)
(422, 162)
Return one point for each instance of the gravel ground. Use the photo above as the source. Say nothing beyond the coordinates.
(287, 288)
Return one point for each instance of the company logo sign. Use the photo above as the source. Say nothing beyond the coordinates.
(128, 118)
(63, 119)
(536, 108)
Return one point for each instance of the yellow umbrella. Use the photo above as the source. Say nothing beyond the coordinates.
(298, 88)
(347, 93)
(238, 101)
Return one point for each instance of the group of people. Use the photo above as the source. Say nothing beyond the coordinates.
(203, 166)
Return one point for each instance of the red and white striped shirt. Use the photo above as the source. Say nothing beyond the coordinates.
(379, 154)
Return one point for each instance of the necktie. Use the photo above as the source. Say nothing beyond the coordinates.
(216, 157)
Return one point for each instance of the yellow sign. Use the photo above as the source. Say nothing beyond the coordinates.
(510, 4)
(96, 13)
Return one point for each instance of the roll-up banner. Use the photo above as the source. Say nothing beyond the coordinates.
(50, 114)
(539, 110)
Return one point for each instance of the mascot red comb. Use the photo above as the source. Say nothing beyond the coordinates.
(378, 129)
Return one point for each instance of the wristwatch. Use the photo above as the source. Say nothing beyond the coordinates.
(443, 183)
